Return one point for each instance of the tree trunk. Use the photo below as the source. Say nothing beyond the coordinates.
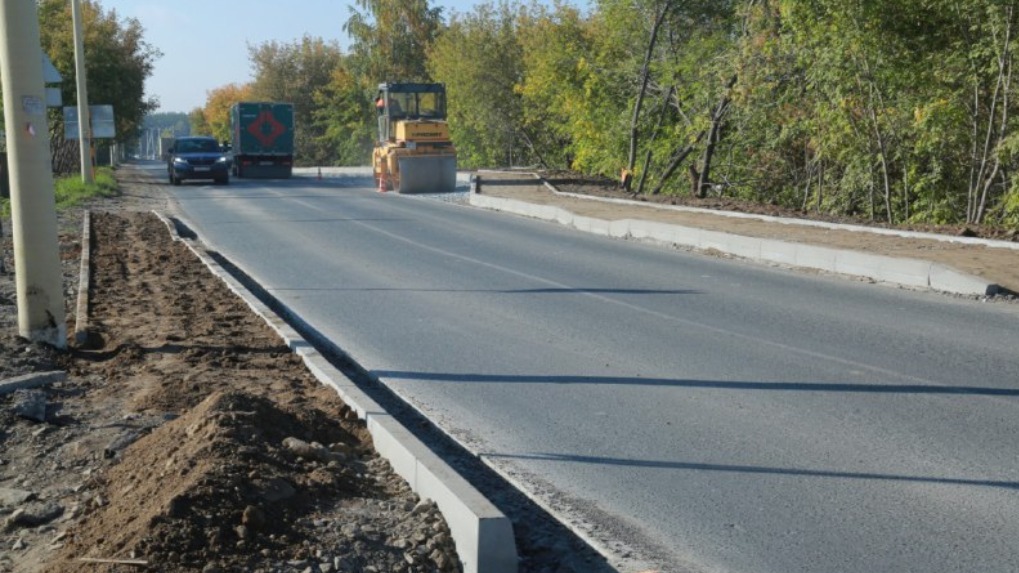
(883, 159)
(713, 135)
(809, 177)
(876, 101)
(703, 179)
(905, 193)
(654, 136)
(981, 183)
(645, 74)
(820, 186)
(530, 145)
(974, 169)
(677, 158)
(1004, 85)
(873, 205)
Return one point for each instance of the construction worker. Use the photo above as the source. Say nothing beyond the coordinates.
(394, 106)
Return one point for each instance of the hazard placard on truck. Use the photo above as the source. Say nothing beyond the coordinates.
(263, 139)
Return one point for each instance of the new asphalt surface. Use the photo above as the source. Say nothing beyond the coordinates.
(683, 412)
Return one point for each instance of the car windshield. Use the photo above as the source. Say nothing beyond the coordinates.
(197, 146)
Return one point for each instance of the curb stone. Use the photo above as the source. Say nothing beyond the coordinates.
(906, 272)
(84, 282)
(33, 380)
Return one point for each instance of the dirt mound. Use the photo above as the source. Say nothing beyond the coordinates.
(218, 485)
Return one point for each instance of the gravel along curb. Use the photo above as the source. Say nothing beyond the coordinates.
(912, 273)
(483, 534)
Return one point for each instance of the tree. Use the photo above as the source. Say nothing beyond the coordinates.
(345, 115)
(484, 109)
(390, 40)
(218, 102)
(565, 102)
(117, 60)
(679, 53)
(198, 123)
(910, 104)
(297, 73)
(645, 77)
(993, 109)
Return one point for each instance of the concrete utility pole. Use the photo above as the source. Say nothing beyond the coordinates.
(84, 129)
(33, 206)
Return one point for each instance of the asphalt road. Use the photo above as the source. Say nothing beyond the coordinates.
(701, 414)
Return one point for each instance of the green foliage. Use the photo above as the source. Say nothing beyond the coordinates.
(218, 103)
(389, 40)
(888, 110)
(197, 122)
(1010, 205)
(556, 83)
(117, 60)
(298, 73)
(484, 111)
(345, 113)
(583, 77)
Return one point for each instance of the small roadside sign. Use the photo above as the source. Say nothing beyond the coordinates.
(100, 119)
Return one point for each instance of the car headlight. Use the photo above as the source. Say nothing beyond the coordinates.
(179, 161)
(221, 160)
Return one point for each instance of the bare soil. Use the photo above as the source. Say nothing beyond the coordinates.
(188, 437)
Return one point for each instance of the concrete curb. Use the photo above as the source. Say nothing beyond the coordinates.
(463, 178)
(33, 380)
(990, 243)
(84, 281)
(913, 273)
(483, 534)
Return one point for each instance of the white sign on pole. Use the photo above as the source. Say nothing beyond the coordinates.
(100, 119)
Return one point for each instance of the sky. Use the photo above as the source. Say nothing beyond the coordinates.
(205, 42)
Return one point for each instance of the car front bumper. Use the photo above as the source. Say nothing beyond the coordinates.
(187, 171)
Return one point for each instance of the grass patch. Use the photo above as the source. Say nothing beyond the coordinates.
(71, 191)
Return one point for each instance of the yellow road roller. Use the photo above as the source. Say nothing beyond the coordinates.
(413, 153)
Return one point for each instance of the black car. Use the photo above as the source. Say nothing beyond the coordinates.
(197, 158)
